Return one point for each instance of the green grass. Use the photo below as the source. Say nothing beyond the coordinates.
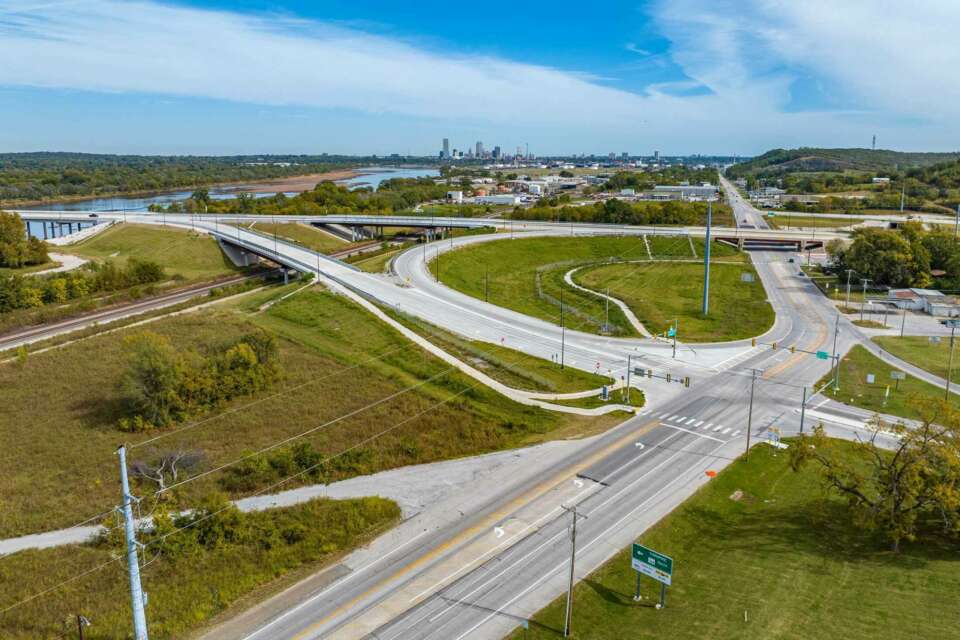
(192, 256)
(511, 267)
(303, 234)
(186, 588)
(870, 324)
(660, 292)
(785, 553)
(61, 407)
(503, 364)
(782, 221)
(377, 263)
(855, 391)
(637, 399)
(920, 352)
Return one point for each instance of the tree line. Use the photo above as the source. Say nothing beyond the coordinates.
(48, 176)
(396, 194)
(30, 292)
(17, 249)
(904, 257)
(163, 386)
(615, 211)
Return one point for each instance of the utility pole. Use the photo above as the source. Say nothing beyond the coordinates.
(82, 622)
(836, 356)
(563, 330)
(956, 224)
(568, 618)
(676, 329)
(753, 383)
(706, 262)
(863, 302)
(903, 321)
(486, 283)
(133, 564)
(953, 330)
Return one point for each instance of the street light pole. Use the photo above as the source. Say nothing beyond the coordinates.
(803, 409)
(953, 331)
(568, 618)
(849, 271)
(706, 262)
(836, 356)
(903, 321)
(863, 302)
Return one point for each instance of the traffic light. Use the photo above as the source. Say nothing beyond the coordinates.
(668, 378)
(753, 342)
(650, 373)
(793, 348)
(774, 345)
(686, 381)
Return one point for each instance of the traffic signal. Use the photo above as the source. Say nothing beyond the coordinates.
(668, 378)
(793, 348)
(650, 373)
(774, 345)
(686, 381)
(753, 342)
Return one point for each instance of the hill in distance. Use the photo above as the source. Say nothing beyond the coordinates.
(779, 161)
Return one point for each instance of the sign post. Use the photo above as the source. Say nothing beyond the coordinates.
(898, 376)
(647, 562)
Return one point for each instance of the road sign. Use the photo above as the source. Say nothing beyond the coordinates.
(671, 332)
(770, 214)
(652, 564)
(898, 375)
(823, 355)
(934, 339)
(953, 324)
(746, 276)
(870, 378)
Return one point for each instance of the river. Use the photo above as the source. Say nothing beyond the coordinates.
(369, 176)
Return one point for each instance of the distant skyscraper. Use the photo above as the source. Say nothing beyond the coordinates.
(446, 147)
(656, 156)
(496, 152)
(479, 149)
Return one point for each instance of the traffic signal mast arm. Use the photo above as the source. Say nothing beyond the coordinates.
(823, 355)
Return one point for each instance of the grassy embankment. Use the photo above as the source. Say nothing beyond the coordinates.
(504, 364)
(193, 257)
(326, 347)
(303, 234)
(920, 352)
(855, 391)
(780, 561)
(187, 586)
(22, 271)
(511, 267)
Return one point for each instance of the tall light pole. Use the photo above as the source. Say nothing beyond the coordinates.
(706, 262)
(563, 330)
(953, 324)
(849, 271)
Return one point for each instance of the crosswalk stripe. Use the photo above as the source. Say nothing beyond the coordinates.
(734, 434)
(673, 417)
(663, 415)
(691, 420)
(698, 424)
(709, 424)
(718, 427)
(726, 431)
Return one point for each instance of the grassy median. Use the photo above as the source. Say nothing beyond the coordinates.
(920, 352)
(762, 552)
(527, 275)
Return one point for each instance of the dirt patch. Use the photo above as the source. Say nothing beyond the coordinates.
(296, 183)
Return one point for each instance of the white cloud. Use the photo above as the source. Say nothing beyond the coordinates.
(896, 62)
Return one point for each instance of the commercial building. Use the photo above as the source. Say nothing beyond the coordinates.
(507, 198)
(446, 149)
(687, 191)
(455, 196)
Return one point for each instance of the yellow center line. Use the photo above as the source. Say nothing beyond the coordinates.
(467, 535)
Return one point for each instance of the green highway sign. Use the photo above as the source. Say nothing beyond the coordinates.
(770, 214)
(823, 355)
(652, 564)
(671, 332)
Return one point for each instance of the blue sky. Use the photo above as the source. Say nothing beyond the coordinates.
(679, 76)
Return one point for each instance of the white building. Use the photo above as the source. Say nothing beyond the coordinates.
(506, 198)
(455, 196)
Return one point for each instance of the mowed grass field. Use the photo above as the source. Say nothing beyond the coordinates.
(855, 390)
(920, 352)
(780, 561)
(505, 272)
(60, 409)
(661, 292)
(192, 256)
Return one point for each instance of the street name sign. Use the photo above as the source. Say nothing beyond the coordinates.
(823, 355)
(652, 564)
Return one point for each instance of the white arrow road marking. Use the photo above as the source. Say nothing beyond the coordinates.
(639, 445)
(497, 531)
(578, 483)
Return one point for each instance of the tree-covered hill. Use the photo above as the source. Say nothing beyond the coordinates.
(781, 161)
